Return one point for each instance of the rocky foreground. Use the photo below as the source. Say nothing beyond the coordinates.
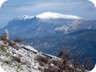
(20, 58)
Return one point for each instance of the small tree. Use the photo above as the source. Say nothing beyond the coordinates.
(79, 62)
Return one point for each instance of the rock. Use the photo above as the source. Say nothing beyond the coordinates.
(6, 34)
(12, 43)
(16, 57)
(23, 60)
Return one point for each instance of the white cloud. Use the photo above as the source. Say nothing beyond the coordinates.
(50, 15)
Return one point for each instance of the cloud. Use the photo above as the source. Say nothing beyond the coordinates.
(51, 15)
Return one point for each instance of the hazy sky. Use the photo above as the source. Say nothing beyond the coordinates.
(15, 8)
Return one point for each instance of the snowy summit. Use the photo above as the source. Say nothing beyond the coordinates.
(24, 17)
(51, 15)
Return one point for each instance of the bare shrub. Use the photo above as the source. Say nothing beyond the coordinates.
(69, 62)
(56, 62)
(42, 59)
(51, 69)
(18, 40)
(80, 62)
(12, 43)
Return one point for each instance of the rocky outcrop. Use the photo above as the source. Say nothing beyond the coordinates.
(15, 57)
(23, 59)
(6, 34)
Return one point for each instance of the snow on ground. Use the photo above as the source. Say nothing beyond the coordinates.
(21, 58)
(1, 69)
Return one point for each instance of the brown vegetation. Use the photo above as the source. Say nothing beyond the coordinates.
(18, 40)
(69, 62)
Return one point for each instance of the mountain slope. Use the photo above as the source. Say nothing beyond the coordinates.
(21, 58)
(84, 41)
(47, 25)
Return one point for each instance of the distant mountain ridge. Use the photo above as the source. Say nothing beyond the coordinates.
(51, 15)
(84, 41)
(42, 25)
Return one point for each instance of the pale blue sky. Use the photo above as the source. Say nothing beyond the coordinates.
(15, 8)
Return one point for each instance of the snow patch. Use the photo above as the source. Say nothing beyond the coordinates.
(63, 28)
(30, 48)
(24, 17)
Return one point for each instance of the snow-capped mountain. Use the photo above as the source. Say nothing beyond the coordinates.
(51, 15)
(47, 24)
(47, 32)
